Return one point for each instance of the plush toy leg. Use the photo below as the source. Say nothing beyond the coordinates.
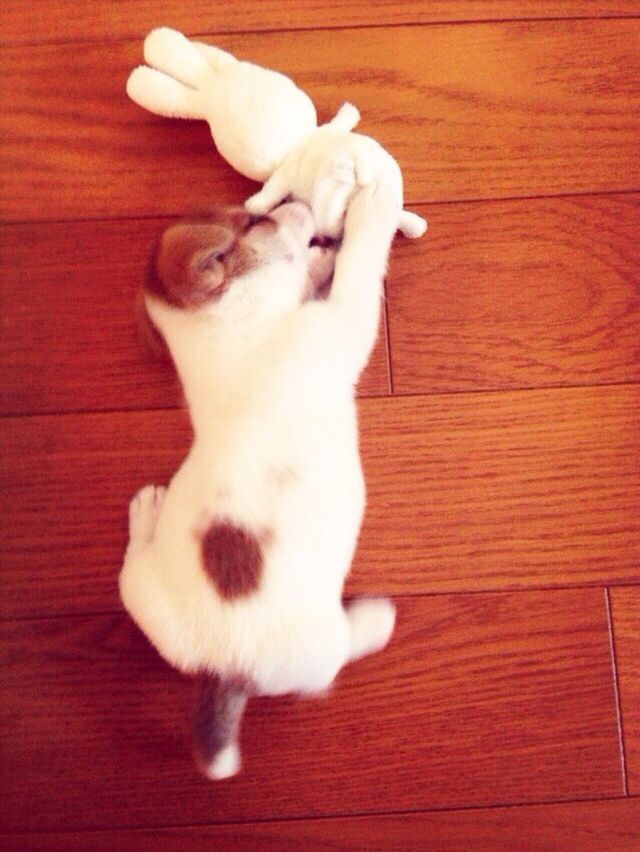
(171, 52)
(371, 623)
(163, 95)
(331, 196)
(346, 118)
(411, 224)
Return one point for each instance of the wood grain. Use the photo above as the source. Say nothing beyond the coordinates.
(466, 493)
(518, 294)
(496, 514)
(478, 699)
(625, 610)
(545, 294)
(68, 294)
(471, 112)
(579, 826)
(503, 490)
(109, 19)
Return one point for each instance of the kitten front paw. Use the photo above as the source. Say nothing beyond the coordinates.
(375, 210)
(143, 513)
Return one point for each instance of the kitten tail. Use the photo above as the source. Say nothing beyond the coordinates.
(219, 707)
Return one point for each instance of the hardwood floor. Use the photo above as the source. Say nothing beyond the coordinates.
(499, 420)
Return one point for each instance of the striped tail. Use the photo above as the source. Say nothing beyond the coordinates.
(219, 706)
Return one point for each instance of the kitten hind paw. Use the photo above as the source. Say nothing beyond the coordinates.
(371, 621)
(144, 510)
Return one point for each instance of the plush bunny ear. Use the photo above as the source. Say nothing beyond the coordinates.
(187, 268)
(170, 51)
(163, 95)
(217, 58)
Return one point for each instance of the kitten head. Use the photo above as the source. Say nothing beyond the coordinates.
(234, 264)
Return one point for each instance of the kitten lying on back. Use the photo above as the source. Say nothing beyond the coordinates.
(235, 572)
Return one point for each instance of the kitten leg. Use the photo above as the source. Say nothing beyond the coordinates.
(371, 621)
(357, 289)
(272, 193)
(143, 517)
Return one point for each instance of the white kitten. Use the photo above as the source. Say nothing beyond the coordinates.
(236, 572)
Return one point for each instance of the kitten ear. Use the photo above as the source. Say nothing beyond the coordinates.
(187, 269)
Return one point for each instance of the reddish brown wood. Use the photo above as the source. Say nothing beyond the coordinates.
(518, 294)
(579, 826)
(503, 490)
(108, 19)
(466, 493)
(479, 699)
(70, 337)
(545, 293)
(625, 610)
(471, 111)
(482, 699)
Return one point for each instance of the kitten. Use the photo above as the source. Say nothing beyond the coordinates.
(235, 572)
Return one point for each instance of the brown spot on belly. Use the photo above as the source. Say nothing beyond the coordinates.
(232, 558)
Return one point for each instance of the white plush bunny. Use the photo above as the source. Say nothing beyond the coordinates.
(266, 128)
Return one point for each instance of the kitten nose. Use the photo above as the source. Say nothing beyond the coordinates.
(296, 215)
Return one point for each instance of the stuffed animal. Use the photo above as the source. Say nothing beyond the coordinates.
(266, 128)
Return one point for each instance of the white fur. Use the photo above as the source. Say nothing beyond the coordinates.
(270, 386)
(225, 764)
(255, 114)
(326, 169)
(371, 622)
(266, 128)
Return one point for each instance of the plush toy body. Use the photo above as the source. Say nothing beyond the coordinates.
(266, 128)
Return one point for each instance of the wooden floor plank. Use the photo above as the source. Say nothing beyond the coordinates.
(625, 610)
(466, 493)
(505, 490)
(518, 294)
(545, 294)
(479, 699)
(68, 299)
(110, 19)
(471, 111)
(579, 826)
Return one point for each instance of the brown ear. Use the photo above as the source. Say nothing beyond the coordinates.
(187, 269)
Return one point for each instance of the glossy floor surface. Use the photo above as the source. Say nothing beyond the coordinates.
(500, 421)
